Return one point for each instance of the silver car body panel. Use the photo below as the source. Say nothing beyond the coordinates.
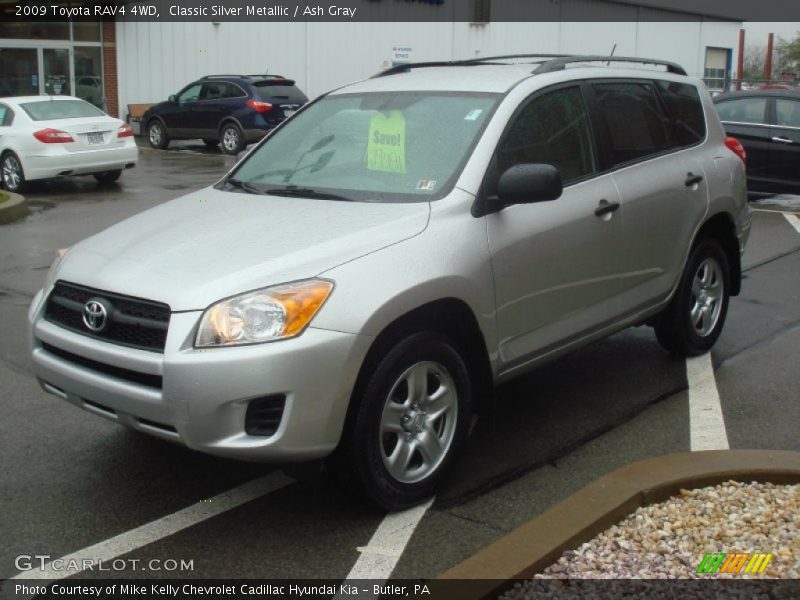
(540, 279)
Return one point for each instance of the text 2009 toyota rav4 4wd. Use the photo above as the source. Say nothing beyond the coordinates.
(371, 269)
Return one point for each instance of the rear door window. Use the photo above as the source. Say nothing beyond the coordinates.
(686, 109)
(743, 110)
(6, 116)
(635, 126)
(787, 112)
(213, 91)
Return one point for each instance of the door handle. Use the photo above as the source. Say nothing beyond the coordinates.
(605, 207)
(782, 140)
(692, 179)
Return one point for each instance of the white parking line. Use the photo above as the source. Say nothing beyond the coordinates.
(161, 528)
(706, 423)
(794, 220)
(380, 556)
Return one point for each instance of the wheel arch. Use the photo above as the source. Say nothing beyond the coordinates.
(451, 317)
(721, 227)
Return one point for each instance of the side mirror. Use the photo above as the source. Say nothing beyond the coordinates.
(173, 98)
(527, 183)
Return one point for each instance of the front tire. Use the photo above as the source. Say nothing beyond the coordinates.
(694, 318)
(412, 419)
(13, 177)
(157, 134)
(231, 139)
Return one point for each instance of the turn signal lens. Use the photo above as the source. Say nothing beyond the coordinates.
(269, 314)
(53, 136)
(124, 131)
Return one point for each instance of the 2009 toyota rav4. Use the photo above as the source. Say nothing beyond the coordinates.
(370, 270)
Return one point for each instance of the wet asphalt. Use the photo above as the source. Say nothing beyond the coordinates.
(69, 480)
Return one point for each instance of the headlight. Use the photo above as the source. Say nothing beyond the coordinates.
(273, 313)
(51, 274)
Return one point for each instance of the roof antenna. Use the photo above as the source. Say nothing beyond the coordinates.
(612, 54)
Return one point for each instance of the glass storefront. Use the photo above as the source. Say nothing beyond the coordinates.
(19, 72)
(53, 59)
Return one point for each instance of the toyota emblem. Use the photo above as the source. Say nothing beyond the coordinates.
(95, 315)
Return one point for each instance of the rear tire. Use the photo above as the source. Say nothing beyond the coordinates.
(411, 420)
(693, 320)
(157, 134)
(11, 173)
(107, 177)
(231, 139)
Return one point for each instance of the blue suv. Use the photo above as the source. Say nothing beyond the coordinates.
(229, 110)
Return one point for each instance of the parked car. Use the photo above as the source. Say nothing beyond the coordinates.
(365, 276)
(229, 110)
(42, 137)
(767, 123)
(90, 88)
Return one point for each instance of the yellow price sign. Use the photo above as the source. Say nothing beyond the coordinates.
(386, 149)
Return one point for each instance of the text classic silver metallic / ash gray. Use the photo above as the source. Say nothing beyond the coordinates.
(367, 273)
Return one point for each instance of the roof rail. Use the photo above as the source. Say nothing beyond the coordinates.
(559, 64)
(225, 75)
(507, 56)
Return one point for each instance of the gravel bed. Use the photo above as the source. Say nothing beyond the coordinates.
(668, 540)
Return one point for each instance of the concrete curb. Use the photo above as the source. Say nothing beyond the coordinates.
(537, 544)
(12, 209)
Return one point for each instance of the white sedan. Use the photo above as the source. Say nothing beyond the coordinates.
(58, 136)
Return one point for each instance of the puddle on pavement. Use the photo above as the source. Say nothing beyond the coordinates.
(38, 206)
(787, 201)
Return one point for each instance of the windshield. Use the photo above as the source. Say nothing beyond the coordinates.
(382, 147)
(46, 110)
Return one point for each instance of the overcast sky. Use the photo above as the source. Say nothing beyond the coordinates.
(756, 33)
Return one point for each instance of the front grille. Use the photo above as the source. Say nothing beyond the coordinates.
(264, 415)
(131, 321)
(153, 381)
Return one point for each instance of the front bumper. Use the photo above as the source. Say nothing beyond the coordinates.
(202, 395)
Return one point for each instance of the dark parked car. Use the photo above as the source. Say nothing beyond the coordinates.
(229, 110)
(767, 123)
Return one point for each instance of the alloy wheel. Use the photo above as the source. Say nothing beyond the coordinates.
(706, 299)
(12, 173)
(418, 422)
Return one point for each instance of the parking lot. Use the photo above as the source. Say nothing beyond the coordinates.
(72, 484)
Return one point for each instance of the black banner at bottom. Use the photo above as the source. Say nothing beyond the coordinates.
(414, 589)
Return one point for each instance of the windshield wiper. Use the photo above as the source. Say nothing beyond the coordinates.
(304, 192)
(243, 185)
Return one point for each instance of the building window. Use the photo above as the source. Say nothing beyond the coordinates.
(481, 11)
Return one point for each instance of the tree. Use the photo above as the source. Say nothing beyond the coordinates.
(787, 55)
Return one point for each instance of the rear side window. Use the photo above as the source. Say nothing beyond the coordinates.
(553, 129)
(45, 110)
(743, 110)
(6, 116)
(787, 112)
(279, 89)
(234, 91)
(634, 123)
(686, 109)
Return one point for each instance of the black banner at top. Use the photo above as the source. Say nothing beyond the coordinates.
(471, 11)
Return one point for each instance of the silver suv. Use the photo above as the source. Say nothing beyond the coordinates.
(367, 274)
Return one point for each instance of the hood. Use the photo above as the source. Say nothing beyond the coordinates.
(209, 245)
